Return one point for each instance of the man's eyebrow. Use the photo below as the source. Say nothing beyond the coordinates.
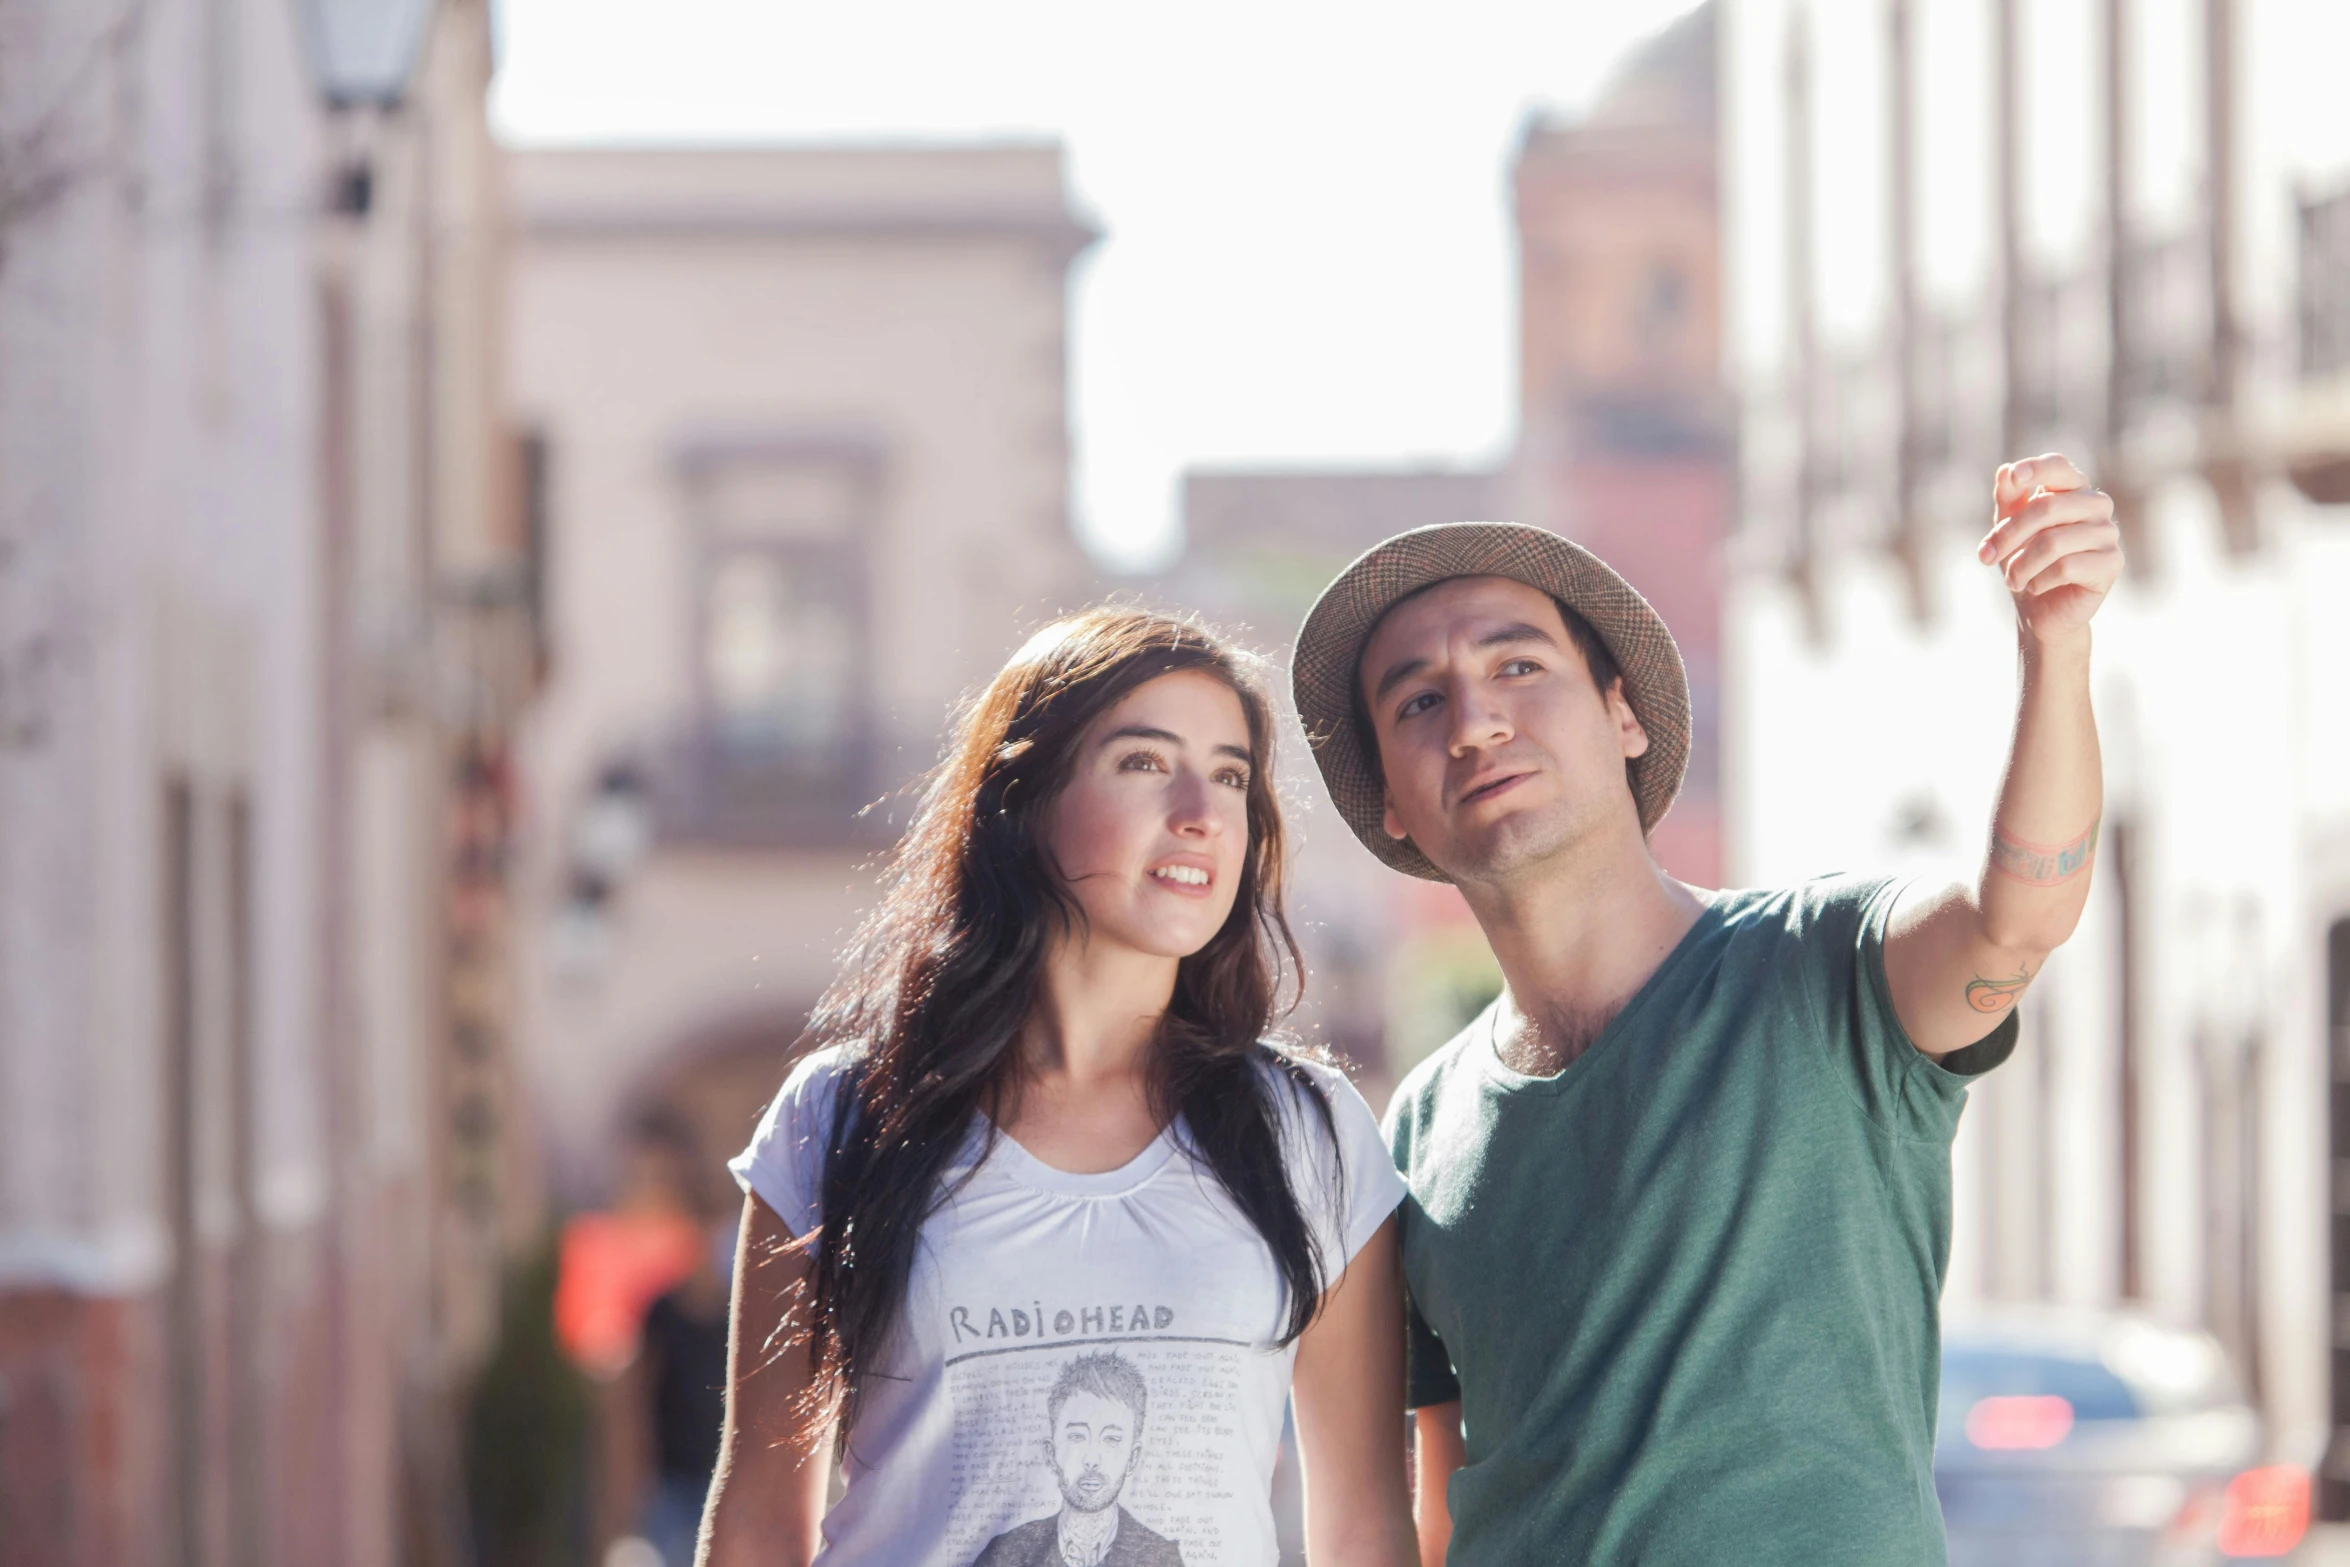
(1396, 675)
(1499, 636)
(1169, 737)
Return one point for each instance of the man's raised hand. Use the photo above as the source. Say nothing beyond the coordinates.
(2054, 541)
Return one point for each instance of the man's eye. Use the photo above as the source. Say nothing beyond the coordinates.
(1521, 666)
(1419, 704)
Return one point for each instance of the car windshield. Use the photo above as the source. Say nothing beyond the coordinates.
(1972, 1373)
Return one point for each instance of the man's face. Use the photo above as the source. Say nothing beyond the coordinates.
(1497, 750)
(1093, 1446)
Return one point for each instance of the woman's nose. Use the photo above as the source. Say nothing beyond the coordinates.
(1192, 811)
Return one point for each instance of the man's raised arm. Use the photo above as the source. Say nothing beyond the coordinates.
(1958, 957)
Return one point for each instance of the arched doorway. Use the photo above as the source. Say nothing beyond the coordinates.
(705, 1095)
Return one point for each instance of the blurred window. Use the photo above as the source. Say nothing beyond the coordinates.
(780, 648)
(2325, 284)
(1663, 308)
(783, 608)
(781, 743)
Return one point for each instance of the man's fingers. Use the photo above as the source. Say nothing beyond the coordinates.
(2054, 544)
(2017, 480)
(2058, 543)
(2095, 569)
(2042, 512)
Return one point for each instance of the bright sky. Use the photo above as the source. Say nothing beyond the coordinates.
(1309, 248)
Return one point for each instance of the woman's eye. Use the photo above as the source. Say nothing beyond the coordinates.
(1142, 762)
(1234, 777)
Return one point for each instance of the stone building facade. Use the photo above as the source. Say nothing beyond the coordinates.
(2171, 1136)
(260, 603)
(800, 427)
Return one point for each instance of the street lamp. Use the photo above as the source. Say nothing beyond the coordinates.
(363, 55)
(363, 52)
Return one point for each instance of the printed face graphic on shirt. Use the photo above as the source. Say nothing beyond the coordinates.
(1096, 1409)
(1093, 1448)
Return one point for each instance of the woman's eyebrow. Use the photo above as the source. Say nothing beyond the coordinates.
(1169, 737)
(1143, 732)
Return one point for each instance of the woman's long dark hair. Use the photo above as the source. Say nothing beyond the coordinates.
(934, 990)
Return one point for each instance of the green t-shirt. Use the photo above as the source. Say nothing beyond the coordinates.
(1691, 1284)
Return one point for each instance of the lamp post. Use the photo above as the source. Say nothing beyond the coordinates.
(363, 52)
(362, 56)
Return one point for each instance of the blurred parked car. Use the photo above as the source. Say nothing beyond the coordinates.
(2103, 1441)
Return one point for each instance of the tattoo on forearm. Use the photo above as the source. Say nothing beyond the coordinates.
(1997, 995)
(2040, 864)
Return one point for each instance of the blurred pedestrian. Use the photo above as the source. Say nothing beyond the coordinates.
(1681, 1196)
(1047, 1228)
(666, 1390)
(681, 1385)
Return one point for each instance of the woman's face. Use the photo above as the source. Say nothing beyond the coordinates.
(1151, 830)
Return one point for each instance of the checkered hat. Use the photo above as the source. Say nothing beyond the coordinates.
(1330, 647)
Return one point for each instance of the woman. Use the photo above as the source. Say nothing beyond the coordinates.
(1044, 1230)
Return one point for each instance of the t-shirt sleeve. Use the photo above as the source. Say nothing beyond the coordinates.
(1429, 1376)
(784, 1163)
(1841, 922)
(1344, 1176)
(1427, 1365)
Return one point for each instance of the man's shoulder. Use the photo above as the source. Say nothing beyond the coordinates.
(1437, 1073)
(1033, 1544)
(1829, 905)
(1138, 1545)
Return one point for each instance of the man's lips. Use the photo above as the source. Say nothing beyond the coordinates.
(1492, 788)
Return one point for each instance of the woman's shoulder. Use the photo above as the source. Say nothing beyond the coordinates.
(814, 1084)
(1297, 1076)
(821, 1068)
(1334, 1148)
(1290, 1066)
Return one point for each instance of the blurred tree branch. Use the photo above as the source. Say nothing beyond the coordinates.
(40, 162)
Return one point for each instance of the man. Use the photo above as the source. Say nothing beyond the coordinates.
(1681, 1197)
(1094, 1416)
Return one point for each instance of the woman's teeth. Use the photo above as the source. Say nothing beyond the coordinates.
(1189, 876)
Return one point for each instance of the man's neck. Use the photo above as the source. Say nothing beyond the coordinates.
(1576, 938)
(1085, 1537)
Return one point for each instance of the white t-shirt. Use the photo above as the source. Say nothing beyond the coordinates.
(1043, 1308)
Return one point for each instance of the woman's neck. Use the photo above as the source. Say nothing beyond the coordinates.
(1082, 1102)
(1096, 1012)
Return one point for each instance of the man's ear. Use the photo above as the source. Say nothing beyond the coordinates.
(1627, 722)
(1389, 822)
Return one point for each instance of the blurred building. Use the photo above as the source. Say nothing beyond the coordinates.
(1625, 445)
(262, 623)
(800, 463)
(1972, 231)
(1625, 434)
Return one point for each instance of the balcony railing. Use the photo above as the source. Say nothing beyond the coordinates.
(710, 790)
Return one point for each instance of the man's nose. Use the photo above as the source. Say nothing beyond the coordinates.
(1478, 721)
